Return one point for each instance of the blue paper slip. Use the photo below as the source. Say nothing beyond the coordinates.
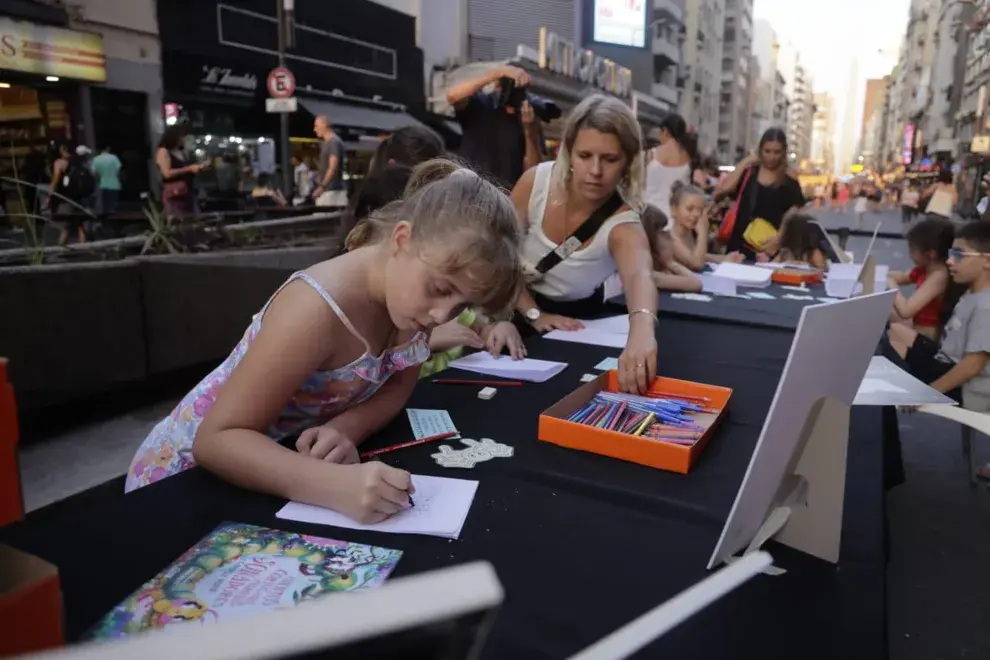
(608, 364)
(428, 423)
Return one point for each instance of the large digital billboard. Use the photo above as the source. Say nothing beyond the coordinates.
(620, 22)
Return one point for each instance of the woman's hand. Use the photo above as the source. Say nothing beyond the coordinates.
(735, 257)
(548, 322)
(328, 444)
(638, 362)
(503, 335)
(451, 335)
(771, 245)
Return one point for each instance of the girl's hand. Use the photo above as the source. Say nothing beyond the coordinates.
(451, 335)
(328, 444)
(548, 322)
(762, 257)
(638, 362)
(735, 257)
(771, 245)
(503, 335)
(371, 492)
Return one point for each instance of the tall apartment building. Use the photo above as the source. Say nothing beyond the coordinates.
(876, 92)
(800, 116)
(737, 44)
(822, 134)
(771, 100)
(668, 35)
(702, 70)
(914, 82)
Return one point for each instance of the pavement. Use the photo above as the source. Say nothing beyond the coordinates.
(939, 569)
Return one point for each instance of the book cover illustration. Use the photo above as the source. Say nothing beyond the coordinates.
(241, 569)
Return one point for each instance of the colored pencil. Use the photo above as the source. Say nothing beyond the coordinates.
(411, 443)
(483, 383)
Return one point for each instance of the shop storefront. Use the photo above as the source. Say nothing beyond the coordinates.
(361, 68)
(42, 70)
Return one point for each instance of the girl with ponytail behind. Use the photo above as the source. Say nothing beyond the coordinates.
(335, 353)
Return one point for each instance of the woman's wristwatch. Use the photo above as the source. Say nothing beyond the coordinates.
(532, 314)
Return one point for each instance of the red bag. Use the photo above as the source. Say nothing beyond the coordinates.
(729, 221)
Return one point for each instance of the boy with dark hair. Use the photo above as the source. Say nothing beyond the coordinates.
(960, 366)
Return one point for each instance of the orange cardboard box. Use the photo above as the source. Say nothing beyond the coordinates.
(555, 428)
(30, 603)
(796, 276)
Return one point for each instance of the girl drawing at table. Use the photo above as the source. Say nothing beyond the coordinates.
(798, 243)
(668, 273)
(690, 214)
(336, 351)
(390, 171)
(929, 243)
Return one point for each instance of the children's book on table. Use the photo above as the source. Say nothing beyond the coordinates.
(240, 570)
(684, 419)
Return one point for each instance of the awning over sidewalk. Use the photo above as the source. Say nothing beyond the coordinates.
(358, 116)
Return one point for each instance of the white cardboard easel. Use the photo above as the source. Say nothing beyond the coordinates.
(794, 488)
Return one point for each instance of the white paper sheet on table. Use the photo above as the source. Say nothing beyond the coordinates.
(536, 371)
(441, 507)
(429, 423)
(586, 336)
(874, 385)
(759, 295)
(721, 286)
(744, 275)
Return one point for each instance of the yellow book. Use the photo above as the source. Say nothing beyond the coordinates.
(759, 232)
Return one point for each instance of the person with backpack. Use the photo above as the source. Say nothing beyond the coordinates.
(73, 183)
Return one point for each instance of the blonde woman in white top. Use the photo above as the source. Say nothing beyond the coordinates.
(670, 163)
(601, 154)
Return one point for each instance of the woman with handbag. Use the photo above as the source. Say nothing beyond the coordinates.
(583, 219)
(764, 194)
(178, 194)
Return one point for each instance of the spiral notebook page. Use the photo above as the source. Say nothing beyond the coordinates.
(441, 508)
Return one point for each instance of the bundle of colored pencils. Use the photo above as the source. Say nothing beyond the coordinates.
(664, 417)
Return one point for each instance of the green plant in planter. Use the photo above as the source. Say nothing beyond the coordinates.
(160, 238)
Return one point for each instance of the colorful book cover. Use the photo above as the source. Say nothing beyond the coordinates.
(241, 569)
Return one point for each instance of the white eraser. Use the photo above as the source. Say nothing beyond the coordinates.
(587, 378)
(487, 393)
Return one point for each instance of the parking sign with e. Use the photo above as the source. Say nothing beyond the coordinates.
(281, 83)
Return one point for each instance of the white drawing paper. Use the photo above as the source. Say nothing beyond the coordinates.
(721, 286)
(791, 296)
(875, 385)
(441, 507)
(697, 297)
(586, 336)
(759, 295)
(826, 299)
(536, 371)
(429, 423)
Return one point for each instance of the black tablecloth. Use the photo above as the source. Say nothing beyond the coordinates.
(582, 543)
(781, 313)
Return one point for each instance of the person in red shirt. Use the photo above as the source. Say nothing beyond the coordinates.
(929, 242)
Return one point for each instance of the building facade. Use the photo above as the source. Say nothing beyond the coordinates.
(771, 100)
(734, 106)
(668, 37)
(800, 116)
(822, 134)
(702, 70)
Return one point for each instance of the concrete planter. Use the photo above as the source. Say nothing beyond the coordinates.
(76, 330)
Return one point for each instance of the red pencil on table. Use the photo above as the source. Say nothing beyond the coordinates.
(481, 383)
(411, 443)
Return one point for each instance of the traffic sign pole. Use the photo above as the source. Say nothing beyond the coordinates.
(283, 116)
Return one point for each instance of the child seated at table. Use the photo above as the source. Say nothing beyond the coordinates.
(690, 216)
(798, 243)
(960, 363)
(390, 171)
(668, 274)
(335, 353)
(929, 242)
